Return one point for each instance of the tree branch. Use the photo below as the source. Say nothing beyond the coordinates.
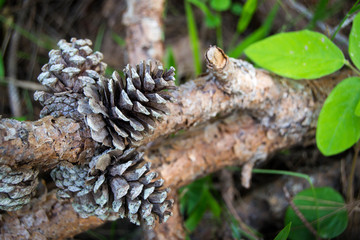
(274, 113)
(286, 106)
(43, 143)
(143, 21)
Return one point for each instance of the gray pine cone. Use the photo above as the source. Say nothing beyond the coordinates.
(59, 104)
(122, 111)
(68, 71)
(115, 184)
(16, 187)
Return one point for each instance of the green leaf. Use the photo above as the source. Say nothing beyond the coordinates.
(21, 118)
(2, 68)
(246, 15)
(357, 109)
(284, 233)
(213, 205)
(302, 54)
(43, 41)
(235, 230)
(194, 219)
(220, 5)
(319, 14)
(194, 39)
(211, 20)
(195, 200)
(119, 40)
(323, 208)
(255, 36)
(99, 38)
(354, 8)
(354, 41)
(236, 9)
(338, 127)
(170, 61)
(2, 3)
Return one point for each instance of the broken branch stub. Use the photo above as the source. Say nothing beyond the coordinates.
(226, 71)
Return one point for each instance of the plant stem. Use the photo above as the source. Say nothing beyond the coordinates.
(348, 64)
(282, 172)
(349, 191)
(343, 20)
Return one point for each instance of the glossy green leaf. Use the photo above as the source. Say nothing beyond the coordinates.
(357, 109)
(354, 41)
(323, 208)
(297, 55)
(338, 127)
(246, 15)
(284, 233)
(220, 5)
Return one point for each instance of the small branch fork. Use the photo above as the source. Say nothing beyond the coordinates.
(252, 113)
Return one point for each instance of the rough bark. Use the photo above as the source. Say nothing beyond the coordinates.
(287, 106)
(262, 114)
(43, 143)
(143, 21)
(46, 218)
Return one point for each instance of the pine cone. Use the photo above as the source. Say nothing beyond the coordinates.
(69, 70)
(122, 111)
(16, 187)
(59, 104)
(115, 184)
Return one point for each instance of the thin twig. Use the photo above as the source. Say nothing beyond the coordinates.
(299, 214)
(324, 28)
(23, 84)
(343, 175)
(233, 212)
(14, 97)
(350, 190)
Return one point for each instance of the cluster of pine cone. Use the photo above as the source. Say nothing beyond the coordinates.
(119, 112)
